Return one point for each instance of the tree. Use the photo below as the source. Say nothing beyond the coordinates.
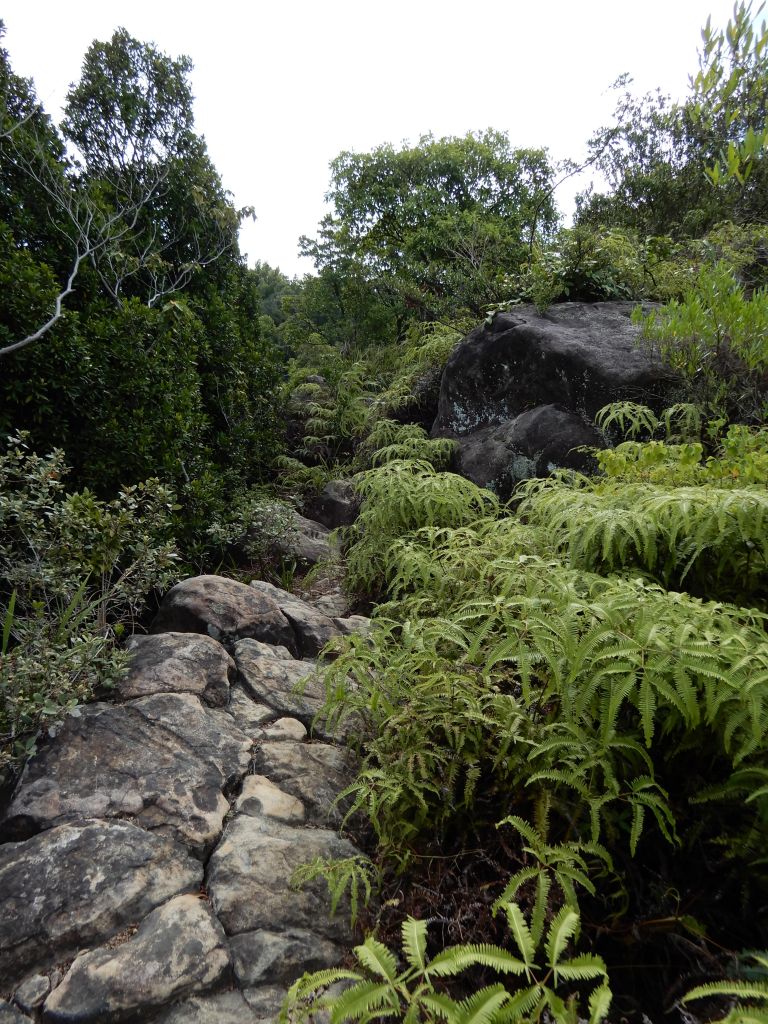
(435, 225)
(661, 158)
(141, 204)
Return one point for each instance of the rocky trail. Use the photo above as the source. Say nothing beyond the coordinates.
(148, 848)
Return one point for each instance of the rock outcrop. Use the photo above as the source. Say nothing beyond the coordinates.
(532, 383)
(145, 868)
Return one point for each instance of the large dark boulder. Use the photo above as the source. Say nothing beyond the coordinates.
(578, 356)
(532, 444)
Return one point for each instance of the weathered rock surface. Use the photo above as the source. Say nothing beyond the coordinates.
(78, 885)
(180, 949)
(313, 629)
(307, 541)
(284, 729)
(249, 716)
(314, 773)
(272, 681)
(220, 1008)
(577, 355)
(334, 604)
(209, 733)
(249, 876)
(32, 992)
(161, 760)
(354, 624)
(11, 1015)
(178, 663)
(336, 505)
(265, 1001)
(272, 957)
(225, 609)
(532, 444)
(260, 796)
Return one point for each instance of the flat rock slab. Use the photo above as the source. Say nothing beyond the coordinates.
(178, 663)
(313, 629)
(273, 957)
(209, 733)
(78, 885)
(224, 609)
(249, 876)
(314, 773)
(179, 950)
(354, 624)
(221, 1008)
(249, 716)
(162, 761)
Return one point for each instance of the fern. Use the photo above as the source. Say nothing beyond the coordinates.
(379, 989)
(755, 991)
(351, 879)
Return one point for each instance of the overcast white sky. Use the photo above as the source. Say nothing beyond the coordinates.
(282, 88)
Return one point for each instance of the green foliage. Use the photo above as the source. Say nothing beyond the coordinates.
(355, 875)
(715, 338)
(398, 498)
(434, 224)
(74, 571)
(661, 158)
(378, 989)
(756, 991)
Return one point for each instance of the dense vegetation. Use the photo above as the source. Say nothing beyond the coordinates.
(563, 706)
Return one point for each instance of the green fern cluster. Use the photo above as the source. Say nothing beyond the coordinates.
(399, 498)
(754, 989)
(379, 988)
(389, 441)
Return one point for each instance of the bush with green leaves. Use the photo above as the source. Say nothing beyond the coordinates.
(74, 574)
(716, 338)
(381, 988)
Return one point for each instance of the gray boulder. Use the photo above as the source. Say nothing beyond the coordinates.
(163, 761)
(533, 444)
(219, 1008)
(178, 663)
(225, 609)
(336, 505)
(179, 950)
(249, 876)
(307, 541)
(579, 356)
(312, 628)
(278, 958)
(314, 773)
(78, 885)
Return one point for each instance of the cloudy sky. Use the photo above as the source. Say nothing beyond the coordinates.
(282, 88)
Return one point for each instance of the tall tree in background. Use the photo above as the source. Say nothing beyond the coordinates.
(661, 159)
(433, 226)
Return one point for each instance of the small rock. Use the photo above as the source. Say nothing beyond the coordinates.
(334, 604)
(225, 609)
(248, 715)
(313, 629)
(280, 957)
(314, 773)
(249, 876)
(78, 885)
(178, 663)
(260, 795)
(32, 992)
(285, 729)
(354, 624)
(180, 949)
